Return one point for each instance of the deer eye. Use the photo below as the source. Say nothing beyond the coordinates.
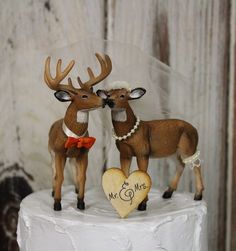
(122, 96)
(84, 96)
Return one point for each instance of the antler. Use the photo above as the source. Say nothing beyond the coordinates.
(106, 67)
(54, 83)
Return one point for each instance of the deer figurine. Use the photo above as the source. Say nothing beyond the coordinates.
(68, 137)
(156, 139)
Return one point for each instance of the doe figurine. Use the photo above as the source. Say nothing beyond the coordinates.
(68, 137)
(155, 139)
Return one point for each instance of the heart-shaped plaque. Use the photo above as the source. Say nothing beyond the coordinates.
(125, 194)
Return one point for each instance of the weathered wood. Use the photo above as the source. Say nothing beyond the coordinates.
(30, 30)
(231, 175)
(192, 36)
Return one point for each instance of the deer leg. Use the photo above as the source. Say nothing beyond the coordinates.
(53, 169)
(59, 177)
(143, 166)
(174, 182)
(125, 163)
(187, 148)
(198, 183)
(53, 177)
(76, 185)
(81, 165)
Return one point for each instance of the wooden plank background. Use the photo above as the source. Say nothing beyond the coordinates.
(231, 178)
(192, 37)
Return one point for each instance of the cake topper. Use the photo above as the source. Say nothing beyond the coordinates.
(68, 137)
(156, 138)
(125, 193)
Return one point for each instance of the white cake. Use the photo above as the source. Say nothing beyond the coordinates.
(177, 224)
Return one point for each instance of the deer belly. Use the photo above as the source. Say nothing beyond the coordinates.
(162, 149)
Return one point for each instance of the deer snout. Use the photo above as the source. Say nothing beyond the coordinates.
(104, 103)
(110, 102)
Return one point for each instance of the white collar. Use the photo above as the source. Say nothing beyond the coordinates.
(69, 133)
(132, 131)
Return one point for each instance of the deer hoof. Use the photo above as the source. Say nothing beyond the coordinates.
(57, 206)
(198, 196)
(167, 194)
(81, 204)
(53, 192)
(142, 207)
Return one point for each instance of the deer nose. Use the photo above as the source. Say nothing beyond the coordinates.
(104, 103)
(110, 103)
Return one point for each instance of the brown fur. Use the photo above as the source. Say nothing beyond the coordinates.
(155, 139)
(82, 99)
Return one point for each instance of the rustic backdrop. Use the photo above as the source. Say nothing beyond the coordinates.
(195, 38)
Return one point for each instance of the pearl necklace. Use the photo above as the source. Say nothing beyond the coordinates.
(132, 131)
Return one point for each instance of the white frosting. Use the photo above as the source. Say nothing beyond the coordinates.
(177, 224)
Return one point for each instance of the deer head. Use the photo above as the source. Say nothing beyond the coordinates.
(81, 98)
(118, 99)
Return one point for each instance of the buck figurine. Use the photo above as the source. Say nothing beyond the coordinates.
(68, 137)
(156, 138)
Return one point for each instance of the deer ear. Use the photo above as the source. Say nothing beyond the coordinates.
(63, 96)
(102, 94)
(137, 93)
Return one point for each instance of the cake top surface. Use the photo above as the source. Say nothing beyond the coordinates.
(98, 208)
(172, 224)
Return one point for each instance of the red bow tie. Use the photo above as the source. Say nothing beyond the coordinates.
(86, 142)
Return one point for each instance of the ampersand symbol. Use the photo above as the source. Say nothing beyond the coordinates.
(126, 194)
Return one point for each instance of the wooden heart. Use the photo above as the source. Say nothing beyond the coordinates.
(125, 194)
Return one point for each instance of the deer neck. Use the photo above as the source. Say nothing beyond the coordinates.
(123, 120)
(76, 121)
